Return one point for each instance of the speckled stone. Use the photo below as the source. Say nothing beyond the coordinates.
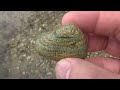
(65, 42)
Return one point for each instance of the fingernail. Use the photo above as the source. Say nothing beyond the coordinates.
(63, 69)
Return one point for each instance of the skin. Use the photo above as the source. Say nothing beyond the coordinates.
(102, 30)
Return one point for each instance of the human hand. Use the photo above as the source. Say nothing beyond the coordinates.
(102, 29)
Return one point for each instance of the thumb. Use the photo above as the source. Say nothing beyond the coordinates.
(74, 68)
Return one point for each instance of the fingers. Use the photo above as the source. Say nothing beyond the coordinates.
(99, 22)
(96, 42)
(73, 68)
(85, 20)
(104, 26)
(103, 33)
(112, 65)
(113, 47)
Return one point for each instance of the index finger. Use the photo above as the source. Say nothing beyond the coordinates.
(104, 26)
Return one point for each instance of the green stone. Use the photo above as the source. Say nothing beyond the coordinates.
(66, 42)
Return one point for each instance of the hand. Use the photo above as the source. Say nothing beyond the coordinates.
(102, 30)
